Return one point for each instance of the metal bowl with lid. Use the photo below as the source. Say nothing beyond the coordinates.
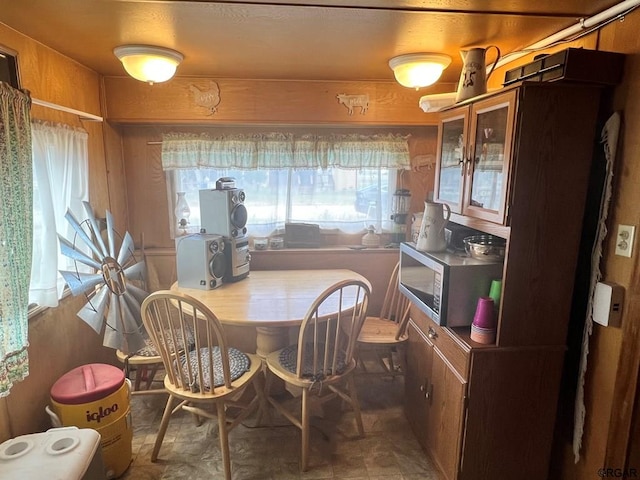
(485, 247)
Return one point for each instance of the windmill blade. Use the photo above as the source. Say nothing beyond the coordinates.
(113, 337)
(136, 311)
(135, 271)
(138, 293)
(126, 249)
(133, 342)
(130, 328)
(111, 234)
(81, 233)
(68, 250)
(93, 311)
(80, 283)
(96, 228)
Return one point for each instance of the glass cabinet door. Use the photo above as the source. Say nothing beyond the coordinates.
(452, 152)
(489, 158)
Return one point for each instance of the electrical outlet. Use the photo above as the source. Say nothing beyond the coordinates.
(624, 240)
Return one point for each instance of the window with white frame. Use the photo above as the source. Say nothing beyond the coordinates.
(60, 183)
(341, 182)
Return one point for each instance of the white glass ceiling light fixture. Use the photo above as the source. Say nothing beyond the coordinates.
(147, 63)
(417, 70)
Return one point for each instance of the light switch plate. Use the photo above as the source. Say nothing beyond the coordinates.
(624, 240)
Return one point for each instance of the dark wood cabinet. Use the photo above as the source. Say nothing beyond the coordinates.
(474, 151)
(435, 395)
(515, 164)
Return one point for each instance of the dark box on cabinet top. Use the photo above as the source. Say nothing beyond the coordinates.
(573, 65)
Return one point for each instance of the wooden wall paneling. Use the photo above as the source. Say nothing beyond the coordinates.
(50, 76)
(98, 182)
(420, 179)
(262, 101)
(624, 404)
(6, 432)
(146, 188)
(116, 177)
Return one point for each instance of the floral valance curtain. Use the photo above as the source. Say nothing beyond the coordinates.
(284, 150)
(16, 207)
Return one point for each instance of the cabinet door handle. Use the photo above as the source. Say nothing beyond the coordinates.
(423, 388)
(432, 334)
(470, 160)
(429, 394)
(463, 160)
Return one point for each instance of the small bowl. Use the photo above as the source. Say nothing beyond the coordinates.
(276, 243)
(261, 243)
(485, 247)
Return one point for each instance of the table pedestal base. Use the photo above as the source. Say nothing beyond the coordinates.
(270, 339)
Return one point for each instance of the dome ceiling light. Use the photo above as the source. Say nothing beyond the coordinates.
(417, 70)
(147, 63)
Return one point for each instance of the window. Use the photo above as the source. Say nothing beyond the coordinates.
(339, 181)
(334, 198)
(60, 183)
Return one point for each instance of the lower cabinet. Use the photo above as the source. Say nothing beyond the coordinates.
(479, 411)
(435, 399)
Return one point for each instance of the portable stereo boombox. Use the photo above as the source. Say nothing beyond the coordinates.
(238, 257)
(201, 261)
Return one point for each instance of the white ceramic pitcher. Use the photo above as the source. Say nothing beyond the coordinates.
(431, 237)
(473, 78)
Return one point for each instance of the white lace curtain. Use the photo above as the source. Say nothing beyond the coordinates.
(61, 179)
(284, 150)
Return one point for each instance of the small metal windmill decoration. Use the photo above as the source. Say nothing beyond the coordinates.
(113, 301)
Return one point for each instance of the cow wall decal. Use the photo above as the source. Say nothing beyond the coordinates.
(352, 101)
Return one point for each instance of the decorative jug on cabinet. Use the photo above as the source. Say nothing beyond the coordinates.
(431, 237)
(473, 78)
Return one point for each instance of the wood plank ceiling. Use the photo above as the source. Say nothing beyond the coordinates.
(293, 39)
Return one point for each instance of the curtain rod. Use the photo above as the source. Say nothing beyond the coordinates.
(83, 115)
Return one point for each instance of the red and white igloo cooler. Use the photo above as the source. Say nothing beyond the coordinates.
(97, 396)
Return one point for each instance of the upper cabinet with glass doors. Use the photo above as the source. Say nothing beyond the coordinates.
(474, 152)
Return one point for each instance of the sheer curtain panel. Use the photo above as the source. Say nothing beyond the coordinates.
(60, 182)
(15, 234)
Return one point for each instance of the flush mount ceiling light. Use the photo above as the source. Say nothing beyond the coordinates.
(417, 70)
(147, 63)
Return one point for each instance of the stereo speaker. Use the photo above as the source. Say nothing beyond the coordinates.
(201, 262)
(222, 212)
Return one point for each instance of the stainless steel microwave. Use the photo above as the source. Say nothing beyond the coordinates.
(446, 286)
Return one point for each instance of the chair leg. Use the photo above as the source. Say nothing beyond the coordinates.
(355, 404)
(163, 428)
(224, 440)
(304, 457)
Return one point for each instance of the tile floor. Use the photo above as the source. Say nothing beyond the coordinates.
(388, 450)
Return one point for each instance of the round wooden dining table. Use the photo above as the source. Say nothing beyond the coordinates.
(269, 300)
